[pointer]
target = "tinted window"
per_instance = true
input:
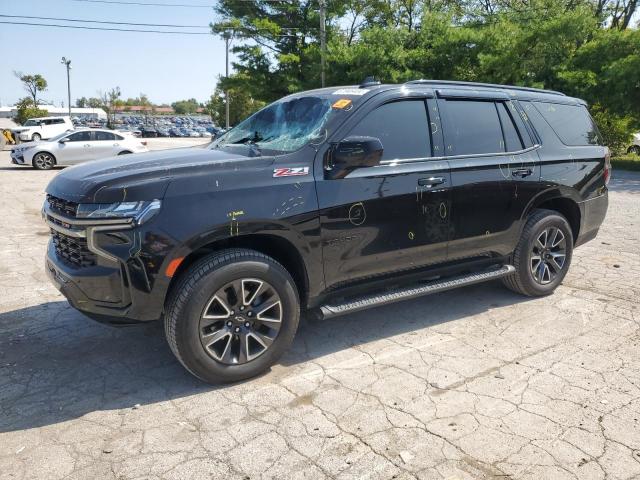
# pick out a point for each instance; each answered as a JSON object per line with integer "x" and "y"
{"x": 511, "y": 137}
{"x": 57, "y": 120}
{"x": 402, "y": 128}
{"x": 80, "y": 137}
{"x": 102, "y": 136}
{"x": 572, "y": 123}
{"x": 472, "y": 127}
{"x": 118, "y": 137}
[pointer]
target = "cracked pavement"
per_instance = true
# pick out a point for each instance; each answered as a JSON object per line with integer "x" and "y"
{"x": 472, "y": 383}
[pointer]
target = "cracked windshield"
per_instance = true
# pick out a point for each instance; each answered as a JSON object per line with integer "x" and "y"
{"x": 281, "y": 127}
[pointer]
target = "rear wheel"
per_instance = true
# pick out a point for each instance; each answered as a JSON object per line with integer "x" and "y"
{"x": 634, "y": 149}
{"x": 36, "y": 137}
{"x": 232, "y": 315}
{"x": 125, "y": 152}
{"x": 43, "y": 161}
{"x": 543, "y": 254}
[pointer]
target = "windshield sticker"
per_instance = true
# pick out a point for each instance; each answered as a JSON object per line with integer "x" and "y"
{"x": 290, "y": 172}
{"x": 342, "y": 103}
{"x": 351, "y": 91}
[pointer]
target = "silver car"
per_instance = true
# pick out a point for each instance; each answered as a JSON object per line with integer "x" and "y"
{"x": 76, "y": 146}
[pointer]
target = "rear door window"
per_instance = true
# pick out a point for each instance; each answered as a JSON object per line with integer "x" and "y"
{"x": 402, "y": 127}
{"x": 472, "y": 127}
{"x": 572, "y": 123}
{"x": 103, "y": 136}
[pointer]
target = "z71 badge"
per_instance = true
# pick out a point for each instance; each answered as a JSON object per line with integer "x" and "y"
{"x": 290, "y": 172}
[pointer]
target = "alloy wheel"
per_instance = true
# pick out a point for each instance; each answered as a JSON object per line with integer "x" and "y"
{"x": 548, "y": 255}
{"x": 241, "y": 321}
{"x": 43, "y": 161}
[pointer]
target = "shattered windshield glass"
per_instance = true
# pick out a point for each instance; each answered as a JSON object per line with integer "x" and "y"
{"x": 284, "y": 126}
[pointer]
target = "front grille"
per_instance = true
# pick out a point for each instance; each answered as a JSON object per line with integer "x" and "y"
{"x": 64, "y": 207}
{"x": 72, "y": 251}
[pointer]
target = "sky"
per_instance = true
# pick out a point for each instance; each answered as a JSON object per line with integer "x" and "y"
{"x": 164, "y": 67}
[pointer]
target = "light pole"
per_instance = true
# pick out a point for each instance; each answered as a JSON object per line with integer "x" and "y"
{"x": 67, "y": 63}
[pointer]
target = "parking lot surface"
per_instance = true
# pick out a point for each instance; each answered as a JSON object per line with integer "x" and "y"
{"x": 468, "y": 384}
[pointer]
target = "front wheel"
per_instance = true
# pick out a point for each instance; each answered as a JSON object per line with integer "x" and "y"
{"x": 43, "y": 161}
{"x": 232, "y": 315}
{"x": 543, "y": 254}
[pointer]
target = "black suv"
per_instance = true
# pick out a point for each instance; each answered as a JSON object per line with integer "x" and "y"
{"x": 328, "y": 202}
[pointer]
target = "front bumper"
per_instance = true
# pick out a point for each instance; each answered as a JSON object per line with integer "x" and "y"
{"x": 120, "y": 283}
{"x": 17, "y": 158}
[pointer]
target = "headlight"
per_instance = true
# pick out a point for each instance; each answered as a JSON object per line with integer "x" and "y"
{"x": 139, "y": 211}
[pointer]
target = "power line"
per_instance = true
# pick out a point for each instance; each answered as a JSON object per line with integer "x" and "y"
{"x": 103, "y": 28}
{"x": 184, "y": 5}
{"x": 105, "y": 22}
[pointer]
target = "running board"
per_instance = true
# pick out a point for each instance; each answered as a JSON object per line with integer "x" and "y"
{"x": 368, "y": 301}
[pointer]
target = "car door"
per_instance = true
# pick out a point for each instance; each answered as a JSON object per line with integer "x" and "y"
{"x": 76, "y": 148}
{"x": 495, "y": 172}
{"x": 394, "y": 216}
{"x": 103, "y": 144}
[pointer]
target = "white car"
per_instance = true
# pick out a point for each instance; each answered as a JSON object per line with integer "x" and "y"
{"x": 42, "y": 128}
{"x": 635, "y": 144}
{"x": 71, "y": 148}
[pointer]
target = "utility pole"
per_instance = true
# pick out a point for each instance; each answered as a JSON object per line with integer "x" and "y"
{"x": 227, "y": 40}
{"x": 323, "y": 39}
{"x": 67, "y": 63}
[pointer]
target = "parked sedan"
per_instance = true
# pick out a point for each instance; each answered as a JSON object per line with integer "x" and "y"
{"x": 74, "y": 147}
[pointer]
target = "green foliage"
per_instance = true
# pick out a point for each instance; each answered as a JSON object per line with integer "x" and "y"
{"x": 616, "y": 130}
{"x": 582, "y": 48}
{"x": 626, "y": 162}
{"x": 26, "y": 110}
{"x": 241, "y": 105}
{"x": 32, "y": 84}
{"x": 185, "y": 107}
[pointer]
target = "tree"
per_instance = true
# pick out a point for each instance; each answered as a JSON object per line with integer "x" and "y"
{"x": 82, "y": 102}
{"x": 32, "y": 84}
{"x": 241, "y": 105}
{"x": 185, "y": 107}
{"x": 27, "y": 110}
{"x": 110, "y": 101}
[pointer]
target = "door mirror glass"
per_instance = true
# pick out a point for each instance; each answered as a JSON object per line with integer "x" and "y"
{"x": 352, "y": 153}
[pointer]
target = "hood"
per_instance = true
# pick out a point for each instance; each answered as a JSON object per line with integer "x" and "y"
{"x": 142, "y": 176}
{"x": 26, "y": 145}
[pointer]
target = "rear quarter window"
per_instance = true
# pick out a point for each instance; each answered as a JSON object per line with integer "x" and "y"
{"x": 572, "y": 123}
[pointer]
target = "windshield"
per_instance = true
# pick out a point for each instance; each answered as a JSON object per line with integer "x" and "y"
{"x": 31, "y": 123}
{"x": 283, "y": 126}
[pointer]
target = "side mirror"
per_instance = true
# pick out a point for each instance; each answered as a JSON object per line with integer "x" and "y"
{"x": 352, "y": 153}
{"x": 63, "y": 140}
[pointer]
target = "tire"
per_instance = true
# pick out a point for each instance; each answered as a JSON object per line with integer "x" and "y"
{"x": 36, "y": 137}
{"x": 125, "y": 152}
{"x": 635, "y": 149}
{"x": 532, "y": 278}
{"x": 203, "y": 293}
{"x": 43, "y": 161}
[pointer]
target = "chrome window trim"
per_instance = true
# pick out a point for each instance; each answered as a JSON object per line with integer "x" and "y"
{"x": 458, "y": 157}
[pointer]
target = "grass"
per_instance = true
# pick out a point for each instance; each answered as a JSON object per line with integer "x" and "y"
{"x": 626, "y": 162}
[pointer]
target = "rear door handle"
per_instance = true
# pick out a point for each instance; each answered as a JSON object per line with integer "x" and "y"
{"x": 522, "y": 172}
{"x": 431, "y": 181}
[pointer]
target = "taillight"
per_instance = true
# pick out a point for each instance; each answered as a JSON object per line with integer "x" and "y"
{"x": 607, "y": 166}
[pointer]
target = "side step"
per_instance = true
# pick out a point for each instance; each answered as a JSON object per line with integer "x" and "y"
{"x": 368, "y": 301}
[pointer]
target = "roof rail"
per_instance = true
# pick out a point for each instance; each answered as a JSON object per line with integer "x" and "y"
{"x": 478, "y": 84}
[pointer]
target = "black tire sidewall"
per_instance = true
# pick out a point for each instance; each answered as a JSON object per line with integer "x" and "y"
{"x": 187, "y": 334}
{"x": 552, "y": 220}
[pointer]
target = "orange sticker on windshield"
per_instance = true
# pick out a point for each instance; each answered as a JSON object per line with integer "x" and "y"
{"x": 342, "y": 103}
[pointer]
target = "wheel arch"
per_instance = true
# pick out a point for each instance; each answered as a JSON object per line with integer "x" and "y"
{"x": 563, "y": 204}
{"x": 277, "y": 247}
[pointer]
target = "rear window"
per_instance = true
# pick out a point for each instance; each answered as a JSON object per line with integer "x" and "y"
{"x": 572, "y": 123}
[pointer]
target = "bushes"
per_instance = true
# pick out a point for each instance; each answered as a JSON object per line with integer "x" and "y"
{"x": 27, "y": 110}
{"x": 617, "y": 130}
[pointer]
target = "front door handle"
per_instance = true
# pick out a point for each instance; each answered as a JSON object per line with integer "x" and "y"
{"x": 431, "y": 181}
{"x": 522, "y": 172}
